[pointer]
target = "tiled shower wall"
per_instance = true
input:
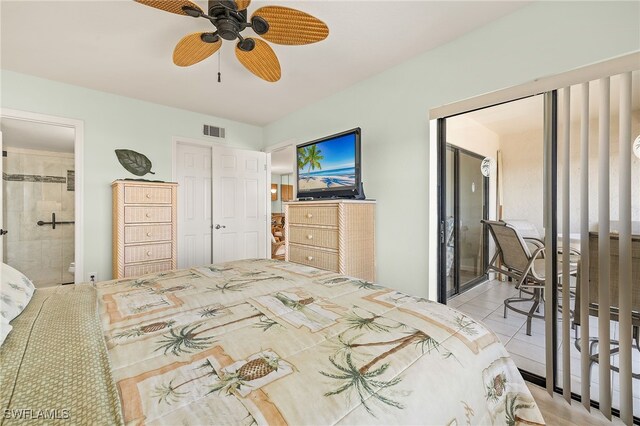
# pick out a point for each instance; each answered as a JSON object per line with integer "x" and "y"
{"x": 36, "y": 184}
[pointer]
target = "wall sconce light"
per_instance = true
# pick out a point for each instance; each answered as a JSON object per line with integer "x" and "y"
{"x": 485, "y": 167}
{"x": 636, "y": 147}
{"x": 274, "y": 190}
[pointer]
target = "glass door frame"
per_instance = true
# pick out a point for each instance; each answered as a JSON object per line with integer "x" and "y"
{"x": 456, "y": 215}
{"x": 551, "y": 120}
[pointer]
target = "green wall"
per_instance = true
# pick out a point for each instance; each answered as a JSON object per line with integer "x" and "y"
{"x": 111, "y": 122}
{"x": 541, "y": 39}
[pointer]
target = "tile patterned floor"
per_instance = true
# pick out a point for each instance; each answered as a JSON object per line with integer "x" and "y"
{"x": 485, "y": 304}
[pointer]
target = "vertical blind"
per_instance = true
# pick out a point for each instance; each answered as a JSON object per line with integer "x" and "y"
{"x": 607, "y": 265}
{"x": 614, "y": 259}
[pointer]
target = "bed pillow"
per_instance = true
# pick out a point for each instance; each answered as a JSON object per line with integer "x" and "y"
{"x": 5, "y": 328}
{"x": 15, "y": 292}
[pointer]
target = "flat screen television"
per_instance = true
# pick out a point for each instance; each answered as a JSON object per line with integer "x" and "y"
{"x": 330, "y": 167}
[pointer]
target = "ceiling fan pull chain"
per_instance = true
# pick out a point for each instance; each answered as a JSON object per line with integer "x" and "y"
{"x": 219, "y": 74}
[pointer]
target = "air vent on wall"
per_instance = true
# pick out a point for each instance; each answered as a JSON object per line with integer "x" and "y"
{"x": 214, "y": 131}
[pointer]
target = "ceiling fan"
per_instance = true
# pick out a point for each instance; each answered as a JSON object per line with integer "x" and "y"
{"x": 277, "y": 24}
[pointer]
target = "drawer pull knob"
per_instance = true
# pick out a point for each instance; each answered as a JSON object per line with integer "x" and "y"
{"x": 148, "y": 234}
{"x": 148, "y": 215}
{"x": 309, "y": 257}
{"x": 309, "y": 215}
{"x": 309, "y": 237}
{"x": 149, "y": 253}
{"x": 148, "y": 195}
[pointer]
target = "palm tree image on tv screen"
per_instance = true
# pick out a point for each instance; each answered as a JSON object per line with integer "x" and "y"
{"x": 327, "y": 165}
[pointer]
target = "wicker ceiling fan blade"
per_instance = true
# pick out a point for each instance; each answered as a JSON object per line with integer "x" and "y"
{"x": 193, "y": 49}
{"x": 242, "y": 4}
{"x": 261, "y": 60}
{"x": 291, "y": 26}
{"x": 173, "y": 6}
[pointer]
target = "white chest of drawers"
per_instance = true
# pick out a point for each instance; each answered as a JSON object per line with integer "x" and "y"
{"x": 144, "y": 227}
{"x": 334, "y": 235}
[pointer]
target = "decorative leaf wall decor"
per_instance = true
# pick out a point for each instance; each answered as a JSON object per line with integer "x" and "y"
{"x": 134, "y": 162}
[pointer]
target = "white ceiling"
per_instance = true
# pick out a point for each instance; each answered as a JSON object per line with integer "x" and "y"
{"x": 527, "y": 114}
{"x": 126, "y": 48}
{"x": 40, "y": 136}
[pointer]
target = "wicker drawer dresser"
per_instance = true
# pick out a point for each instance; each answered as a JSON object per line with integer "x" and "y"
{"x": 337, "y": 235}
{"x": 144, "y": 227}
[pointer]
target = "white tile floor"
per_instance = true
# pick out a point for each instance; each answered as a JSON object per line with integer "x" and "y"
{"x": 485, "y": 303}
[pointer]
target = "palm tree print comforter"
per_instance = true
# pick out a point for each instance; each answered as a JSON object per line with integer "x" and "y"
{"x": 268, "y": 342}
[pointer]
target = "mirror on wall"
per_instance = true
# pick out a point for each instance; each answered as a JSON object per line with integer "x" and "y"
{"x": 286, "y": 187}
{"x": 281, "y": 191}
{"x": 282, "y": 178}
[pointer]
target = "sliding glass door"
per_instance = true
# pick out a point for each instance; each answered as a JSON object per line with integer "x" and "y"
{"x": 465, "y": 207}
{"x": 558, "y": 168}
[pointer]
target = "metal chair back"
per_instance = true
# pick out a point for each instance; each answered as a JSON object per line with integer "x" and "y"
{"x": 512, "y": 249}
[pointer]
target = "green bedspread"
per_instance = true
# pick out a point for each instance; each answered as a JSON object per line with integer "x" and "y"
{"x": 54, "y": 364}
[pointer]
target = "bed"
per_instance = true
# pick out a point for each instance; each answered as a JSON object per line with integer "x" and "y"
{"x": 254, "y": 342}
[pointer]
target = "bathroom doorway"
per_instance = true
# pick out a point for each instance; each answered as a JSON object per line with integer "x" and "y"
{"x": 39, "y": 194}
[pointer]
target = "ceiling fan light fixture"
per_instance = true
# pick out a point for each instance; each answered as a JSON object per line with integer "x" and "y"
{"x": 228, "y": 29}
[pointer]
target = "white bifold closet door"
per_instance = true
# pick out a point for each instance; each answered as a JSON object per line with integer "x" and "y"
{"x": 193, "y": 173}
{"x": 239, "y": 204}
{"x": 221, "y": 204}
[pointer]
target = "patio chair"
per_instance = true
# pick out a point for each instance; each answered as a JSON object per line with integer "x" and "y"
{"x": 614, "y": 285}
{"x": 277, "y": 226}
{"x": 531, "y": 236}
{"x": 277, "y": 249}
{"x": 525, "y": 267}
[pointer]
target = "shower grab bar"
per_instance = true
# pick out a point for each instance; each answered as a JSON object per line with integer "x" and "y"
{"x": 53, "y": 222}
